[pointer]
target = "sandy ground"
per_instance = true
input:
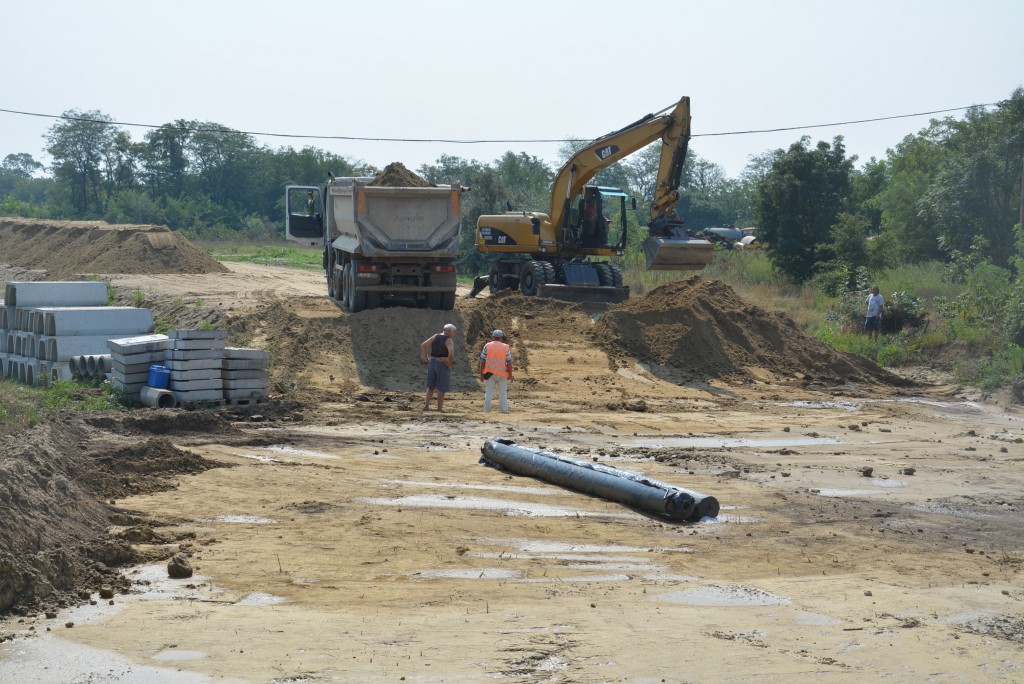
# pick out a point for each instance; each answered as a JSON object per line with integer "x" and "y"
{"x": 358, "y": 539}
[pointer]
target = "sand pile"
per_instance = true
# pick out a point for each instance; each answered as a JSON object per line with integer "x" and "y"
{"x": 66, "y": 248}
{"x": 699, "y": 330}
{"x": 395, "y": 175}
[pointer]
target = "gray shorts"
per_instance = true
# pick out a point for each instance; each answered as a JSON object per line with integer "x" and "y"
{"x": 439, "y": 375}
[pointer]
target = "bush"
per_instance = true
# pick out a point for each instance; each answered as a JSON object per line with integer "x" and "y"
{"x": 994, "y": 371}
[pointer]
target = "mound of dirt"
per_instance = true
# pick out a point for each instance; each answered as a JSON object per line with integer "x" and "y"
{"x": 55, "y": 480}
{"x": 66, "y": 248}
{"x": 395, "y": 175}
{"x": 699, "y": 330}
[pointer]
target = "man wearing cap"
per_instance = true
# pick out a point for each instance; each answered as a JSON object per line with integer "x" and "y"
{"x": 439, "y": 364}
{"x": 496, "y": 367}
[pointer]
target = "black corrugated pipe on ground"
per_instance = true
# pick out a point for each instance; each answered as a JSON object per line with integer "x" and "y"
{"x": 632, "y": 489}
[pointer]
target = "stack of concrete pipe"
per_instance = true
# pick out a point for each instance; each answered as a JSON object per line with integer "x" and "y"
{"x": 44, "y": 324}
{"x": 90, "y": 366}
{"x": 202, "y": 369}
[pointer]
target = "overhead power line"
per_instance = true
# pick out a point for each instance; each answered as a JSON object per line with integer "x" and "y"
{"x": 467, "y": 141}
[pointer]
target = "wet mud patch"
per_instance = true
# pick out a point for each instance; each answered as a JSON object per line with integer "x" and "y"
{"x": 1004, "y": 627}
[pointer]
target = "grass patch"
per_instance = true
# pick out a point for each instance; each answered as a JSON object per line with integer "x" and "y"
{"x": 305, "y": 258}
{"x": 22, "y": 406}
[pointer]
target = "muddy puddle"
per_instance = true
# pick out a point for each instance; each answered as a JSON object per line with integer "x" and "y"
{"x": 42, "y": 656}
{"x": 493, "y": 488}
{"x": 722, "y": 596}
{"x": 724, "y": 443}
{"x": 510, "y": 508}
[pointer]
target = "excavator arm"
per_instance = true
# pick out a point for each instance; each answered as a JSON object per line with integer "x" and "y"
{"x": 673, "y": 127}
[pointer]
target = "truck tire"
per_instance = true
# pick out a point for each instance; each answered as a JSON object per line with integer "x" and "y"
{"x": 332, "y": 278}
{"x": 356, "y": 299}
{"x": 616, "y": 276}
{"x": 531, "y": 277}
{"x": 447, "y": 301}
{"x": 434, "y": 300}
{"x": 346, "y": 286}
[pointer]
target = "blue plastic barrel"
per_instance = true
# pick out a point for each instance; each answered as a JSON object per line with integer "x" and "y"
{"x": 159, "y": 376}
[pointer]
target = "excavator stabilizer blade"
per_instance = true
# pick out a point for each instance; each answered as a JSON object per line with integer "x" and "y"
{"x": 677, "y": 254}
{"x": 584, "y": 293}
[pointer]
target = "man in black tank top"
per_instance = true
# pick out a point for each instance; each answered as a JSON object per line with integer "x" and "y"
{"x": 441, "y": 352}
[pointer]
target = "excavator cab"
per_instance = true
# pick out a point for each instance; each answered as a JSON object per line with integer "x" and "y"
{"x": 599, "y": 220}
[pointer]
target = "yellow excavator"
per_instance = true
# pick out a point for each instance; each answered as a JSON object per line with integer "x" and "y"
{"x": 558, "y": 254}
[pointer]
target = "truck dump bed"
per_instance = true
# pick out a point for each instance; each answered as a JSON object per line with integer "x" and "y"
{"x": 394, "y": 222}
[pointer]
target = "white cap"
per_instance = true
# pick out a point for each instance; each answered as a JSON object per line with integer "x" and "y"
{"x": 497, "y": 334}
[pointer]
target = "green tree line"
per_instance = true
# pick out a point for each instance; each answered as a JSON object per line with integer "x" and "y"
{"x": 951, "y": 190}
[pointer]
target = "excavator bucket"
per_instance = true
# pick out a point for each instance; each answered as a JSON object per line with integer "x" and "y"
{"x": 677, "y": 254}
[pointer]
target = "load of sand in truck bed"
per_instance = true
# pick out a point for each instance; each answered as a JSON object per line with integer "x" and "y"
{"x": 65, "y": 248}
{"x": 395, "y": 175}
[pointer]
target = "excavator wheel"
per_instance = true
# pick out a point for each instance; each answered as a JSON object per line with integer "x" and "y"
{"x": 495, "y": 281}
{"x": 549, "y": 272}
{"x": 604, "y": 274}
{"x": 531, "y": 277}
{"x": 616, "y": 276}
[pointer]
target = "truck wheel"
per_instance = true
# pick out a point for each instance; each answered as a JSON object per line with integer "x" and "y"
{"x": 616, "y": 276}
{"x": 447, "y": 301}
{"x": 434, "y": 300}
{"x": 356, "y": 299}
{"x": 346, "y": 286}
{"x": 332, "y": 278}
{"x": 531, "y": 277}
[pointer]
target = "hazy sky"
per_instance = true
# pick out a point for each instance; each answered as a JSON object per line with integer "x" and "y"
{"x": 522, "y": 69}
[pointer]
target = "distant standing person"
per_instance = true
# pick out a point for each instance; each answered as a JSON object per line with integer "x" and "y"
{"x": 496, "y": 369}
{"x": 441, "y": 352}
{"x": 310, "y": 204}
{"x": 873, "y": 322}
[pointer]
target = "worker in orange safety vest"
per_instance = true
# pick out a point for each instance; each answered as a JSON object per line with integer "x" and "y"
{"x": 496, "y": 369}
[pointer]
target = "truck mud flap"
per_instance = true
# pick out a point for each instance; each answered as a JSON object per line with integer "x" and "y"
{"x": 677, "y": 254}
{"x": 584, "y": 293}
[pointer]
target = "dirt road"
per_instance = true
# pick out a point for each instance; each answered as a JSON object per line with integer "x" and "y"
{"x": 868, "y": 529}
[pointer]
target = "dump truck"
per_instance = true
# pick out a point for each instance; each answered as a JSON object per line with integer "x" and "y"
{"x": 558, "y": 254}
{"x": 382, "y": 243}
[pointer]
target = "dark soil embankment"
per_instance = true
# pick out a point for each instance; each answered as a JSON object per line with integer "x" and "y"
{"x": 57, "y": 484}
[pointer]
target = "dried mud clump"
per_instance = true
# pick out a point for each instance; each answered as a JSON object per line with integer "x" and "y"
{"x": 699, "y": 330}
{"x": 395, "y": 175}
{"x": 66, "y": 248}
